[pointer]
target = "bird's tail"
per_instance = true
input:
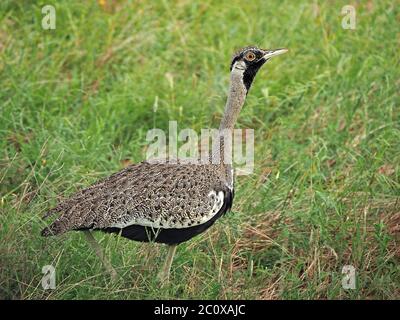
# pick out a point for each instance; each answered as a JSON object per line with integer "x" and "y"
{"x": 56, "y": 228}
{"x": 50, "y": 212}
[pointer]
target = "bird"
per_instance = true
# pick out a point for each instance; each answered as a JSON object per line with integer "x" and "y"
{"x": 163, "y": 202}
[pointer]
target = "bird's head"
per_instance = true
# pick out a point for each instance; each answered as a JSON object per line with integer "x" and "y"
{"x": 247, "y": 61}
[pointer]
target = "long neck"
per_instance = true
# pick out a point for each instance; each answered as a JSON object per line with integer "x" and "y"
{"x": 236, "y": 98}
{"x": 222, "y": 153}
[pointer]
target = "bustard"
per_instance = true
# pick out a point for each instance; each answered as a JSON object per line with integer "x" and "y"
{"x": 163, "y": 202}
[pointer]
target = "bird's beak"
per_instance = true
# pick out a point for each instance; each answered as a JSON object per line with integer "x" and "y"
{"x": 271, "y": 53}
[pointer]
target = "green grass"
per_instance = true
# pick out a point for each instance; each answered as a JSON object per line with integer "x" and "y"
{"x": 77, "y": 101}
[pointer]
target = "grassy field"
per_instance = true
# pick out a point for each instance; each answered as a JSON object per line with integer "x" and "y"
{"x": 76, "y": 103}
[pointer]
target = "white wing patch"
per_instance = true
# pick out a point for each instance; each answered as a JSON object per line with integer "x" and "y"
{"x": 218, "y": 202}
{"x": 139, "y": 221}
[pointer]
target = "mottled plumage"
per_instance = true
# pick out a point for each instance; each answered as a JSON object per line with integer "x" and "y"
{"x": 160, "y": 196}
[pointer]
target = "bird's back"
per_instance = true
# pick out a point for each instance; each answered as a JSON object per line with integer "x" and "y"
{"x": 163, "y": 202}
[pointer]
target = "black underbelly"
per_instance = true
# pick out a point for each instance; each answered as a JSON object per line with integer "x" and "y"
{"x": 168, "y": 236}
{"x": 172, "y": 235}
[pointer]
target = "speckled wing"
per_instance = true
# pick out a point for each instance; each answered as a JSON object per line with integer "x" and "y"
{"x": 166, "y": 196}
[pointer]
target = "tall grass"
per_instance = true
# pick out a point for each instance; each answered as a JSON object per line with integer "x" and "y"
{"x": 76, "y": 103}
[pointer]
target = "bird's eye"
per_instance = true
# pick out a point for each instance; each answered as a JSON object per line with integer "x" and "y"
{"x": 250, "y": 56}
